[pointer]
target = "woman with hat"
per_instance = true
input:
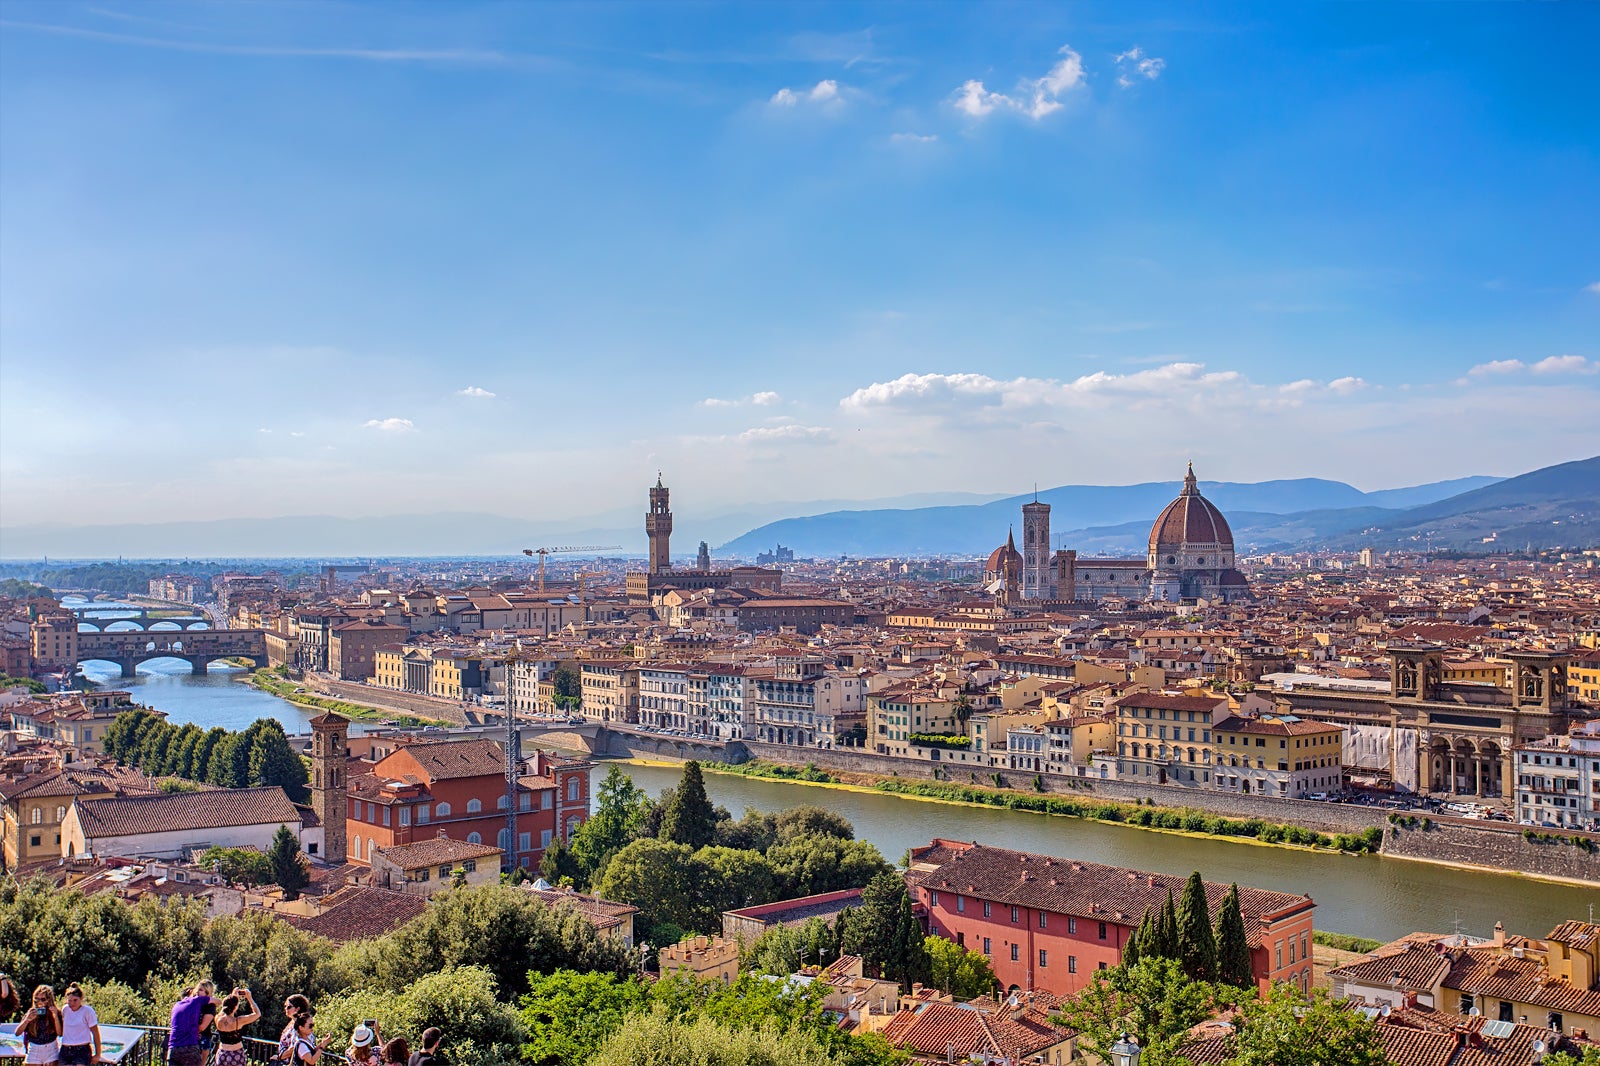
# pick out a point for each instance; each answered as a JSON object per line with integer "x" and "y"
{"x": 364, "y": 1045}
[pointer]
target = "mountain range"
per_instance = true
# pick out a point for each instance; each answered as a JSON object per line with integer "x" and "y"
{"x": 1554, "y": 506}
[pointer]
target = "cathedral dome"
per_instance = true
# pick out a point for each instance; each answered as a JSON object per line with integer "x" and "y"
{"x": 1004, "y": 559}
{"x": 1191, "y": 519}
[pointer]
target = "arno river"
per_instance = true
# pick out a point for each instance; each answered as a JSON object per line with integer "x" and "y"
{"x": 1366, "y": 895}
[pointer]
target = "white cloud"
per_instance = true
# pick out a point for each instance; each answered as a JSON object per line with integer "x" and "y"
{"x": 913, "y": 138}
{"x": 1555, "y": 364}
{"x": 1134, "y": 65}
{"x": 1034, "y": 97}
{"x": 1565, "y": 364}
{"x": 760, "y": 399}
{"x": 824, "y": 93}
{"x": 263, "y": 429}
{"x": 1593, "y": 287}
{"x": 1345, "y": 386}
{"x": 389, "y": 425}
{"x": 475, "y": 392}
{"x": 767, "y": 434}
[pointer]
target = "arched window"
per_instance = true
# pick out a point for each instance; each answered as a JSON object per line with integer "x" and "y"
{"x": 441, "y": 810}
{"x": 501, "y": 803}
{"x": 474, "y": 838}
{"x": 503, "y": 840}
{"x": 474, "y": 805}
{"x": 38, "y": 815}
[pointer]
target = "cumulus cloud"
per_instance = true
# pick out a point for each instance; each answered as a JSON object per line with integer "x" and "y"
{"x": 1034, "y": 97}
{"x": 389, "y": 425}
{"x": 1555, "y": 364}
{"x": 475, "y": 393}
{"x": 759, "y": 399}
{"x": 768, "y": 434}
{"x": 824, "y": 93}
{"x": 1134, "y": 66}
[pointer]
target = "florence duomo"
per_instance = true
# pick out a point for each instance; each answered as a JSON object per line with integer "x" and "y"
{"x": 1189, "y": 557}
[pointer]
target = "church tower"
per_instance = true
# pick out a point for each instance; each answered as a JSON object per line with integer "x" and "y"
{"x": 658, "y": 527}
{"x": 1036, "y": 569}
{"x": 329, "y": 750}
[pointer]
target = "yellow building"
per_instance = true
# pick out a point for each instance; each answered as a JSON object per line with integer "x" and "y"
{"x": 704, "y": 958}
{"x": 1583, "y": 678}
{"x": 894, "y": 714}
{"x": 610, "y": 690}
{"x": 1274, "y": 755}
{"x": 388, "y": 666}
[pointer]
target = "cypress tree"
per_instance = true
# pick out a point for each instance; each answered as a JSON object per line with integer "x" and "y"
{"x": 689, "y": 818}
{"x": 1131, "y": 950}
{"x": 1167, "y": 929}
{"x": 1197, "y": 947}
{"x": 1233, "y": 947}
{"x": 288, "y": 865}
{"x": 913, "y": 962}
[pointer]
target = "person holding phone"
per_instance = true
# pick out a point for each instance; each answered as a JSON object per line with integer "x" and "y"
{"x": 238, "y": 1010}
{"x": 40, "y": 1029}
{"x": 364, "y": 1044}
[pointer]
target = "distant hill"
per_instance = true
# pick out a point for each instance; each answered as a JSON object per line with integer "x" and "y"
{"x": 1092, "y": 508}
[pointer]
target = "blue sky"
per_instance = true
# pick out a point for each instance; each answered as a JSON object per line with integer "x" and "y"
{"x": 413, "y": 257}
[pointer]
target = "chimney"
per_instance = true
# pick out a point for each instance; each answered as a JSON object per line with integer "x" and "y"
{"x": 443, "y": 835}
{"x": 1499, "y": 934}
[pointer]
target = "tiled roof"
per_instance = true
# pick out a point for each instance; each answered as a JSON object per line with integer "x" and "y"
{"x": 1419, "y": 968}
{"x": 1085, "y": 889}
{"x": 1524, "y": 980}
{"x": 982, "y": 1025}
{"x": 184, "y": 811}
{"x": 445, "y": 760}
{"x": 435, "y": 852}
{"x": 357, "y": 912}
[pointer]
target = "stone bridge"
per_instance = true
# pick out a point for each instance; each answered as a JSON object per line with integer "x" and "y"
{"x": 198, "y": 647}
{"x": 95, "y": 619}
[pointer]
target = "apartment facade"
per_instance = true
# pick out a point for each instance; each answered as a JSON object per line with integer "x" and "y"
{"x": 1280, "y": 756}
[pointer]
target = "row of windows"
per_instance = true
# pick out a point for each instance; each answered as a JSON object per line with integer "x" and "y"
{"x": 1016, "y": 915}
{"x": 1304, "y": 944}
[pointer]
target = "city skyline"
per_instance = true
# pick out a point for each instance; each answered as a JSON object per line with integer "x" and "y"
{"x": 514, "y": 260}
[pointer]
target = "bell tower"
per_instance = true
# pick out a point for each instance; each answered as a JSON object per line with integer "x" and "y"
{"x": 329, "y": 750}
{"x": 658, "y": 527}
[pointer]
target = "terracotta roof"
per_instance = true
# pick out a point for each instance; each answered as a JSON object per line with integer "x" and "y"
{"x": 1085, "y": 889}
{"x": 358, "y": 912}
{"x": 185, "y": 811}
{"x": 445, "y": 760}
{"x": 1525, "y": 980}
{"x": 435, "y": 852}
{"x": 1190, "y": 519}
{"x": 1419, "y": 968}
{"x": 980, "y": 1026}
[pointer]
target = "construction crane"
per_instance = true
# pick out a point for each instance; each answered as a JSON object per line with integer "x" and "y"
{"x": 568, "y": 550}
{"x": 580, "y": 575}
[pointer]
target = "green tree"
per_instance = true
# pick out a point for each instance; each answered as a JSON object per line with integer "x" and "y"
{"x": 1152, "y": 1000}
{"x": 289, "y": 868}
{"x": 200, "y": 764}
{"x": 807, "y": 865}
{"x": 689, "y": 818}
{"x": 617, "y": 820}
{"x": 272, "y": 958}
{"x": 273, "y": 761}
{"x": 885, "y": 933}
{"x": 51, "y": 937}
{"x": 911, "y": 963}
{"x": 568, "y": 1015}
{"x": 1233, "y": 947}
{"x": 809, "y": 820}
{"x": 1285, "y": 1027}
{"x": 219, "y": 767}
{"x": 239, "y": 865}
{"x": 1591, "y": 1057}
{"x": 479, "y": 1029}
{"x": 558, "y": 866}
{"x": 180, "y": 755}
{"x": 1197, "y": 945}
{"x": 734, "y": 878}
{"x": 657, "y": 1039}
{"x": 659, "y": 878}
{"x": 1132, "y": 951}
{"x": 568, "y": 682}
{"x": 953, "y": 969}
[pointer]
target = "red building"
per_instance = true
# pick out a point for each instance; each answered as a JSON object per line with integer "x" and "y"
{"x": 1050, "y": 923}
{"x": 460, "y": 787}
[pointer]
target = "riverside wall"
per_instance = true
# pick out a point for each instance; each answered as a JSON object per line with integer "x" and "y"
{"x": 1497, "y": 846}
{"x": 388, "y": 700}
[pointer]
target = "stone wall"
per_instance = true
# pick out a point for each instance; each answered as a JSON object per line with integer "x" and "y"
{"x": 1324, "y": 817}
{"x": 390, "y": 700}
{"x": 1496, "y": 845}
{"x": 652, "y": 746}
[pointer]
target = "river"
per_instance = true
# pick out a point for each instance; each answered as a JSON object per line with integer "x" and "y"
{"x": 1367, "y": 895}
{"x": 219, "y": 697}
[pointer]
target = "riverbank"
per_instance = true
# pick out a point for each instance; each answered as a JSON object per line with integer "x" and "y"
{"x": 1181, "y": 820}
{"x": 275, "y": 683}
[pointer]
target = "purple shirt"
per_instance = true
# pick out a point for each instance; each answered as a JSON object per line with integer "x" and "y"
{"x": 186, "y": 1016}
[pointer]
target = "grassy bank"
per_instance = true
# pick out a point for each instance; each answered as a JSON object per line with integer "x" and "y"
{"x": 1145, "y": 816}
{"x": 274, "y": 682}
{"x": 1345, "y": 942}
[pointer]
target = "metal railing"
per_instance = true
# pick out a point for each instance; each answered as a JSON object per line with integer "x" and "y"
{"x": 151, "y": 1049}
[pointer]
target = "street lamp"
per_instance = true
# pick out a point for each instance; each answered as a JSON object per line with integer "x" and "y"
{"x": 1125, "y": 1052}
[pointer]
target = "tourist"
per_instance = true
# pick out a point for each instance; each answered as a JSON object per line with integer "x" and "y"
{"x": 208, "y": 1015}
{"x": 80, "y": 1031}
{"x": 293, "y": 1007}
{"x": 428, "y": 1055}
{"x": 183, "y": 1038}
{"x": 308, "y": 1047}
{"x": 41, "y": 1029}
{"x": 9, "y": 1000}
{"x": 238, "y": 1010}
{"x": 397, "y": 1052}
{"x": 363, "y": 1044}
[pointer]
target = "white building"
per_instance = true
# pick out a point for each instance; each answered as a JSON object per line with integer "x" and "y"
{"x": 805, "y": 705}
{"x": 1558, "y": 780}
{"x": 171, "y": 824}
